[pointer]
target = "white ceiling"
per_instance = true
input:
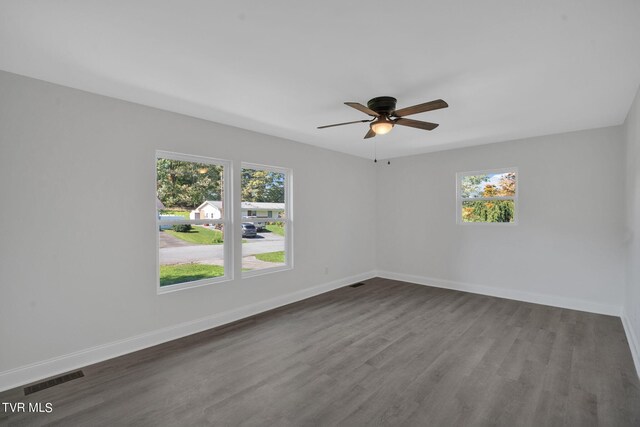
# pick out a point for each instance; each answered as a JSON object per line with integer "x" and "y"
{"x": 508, "y": 68}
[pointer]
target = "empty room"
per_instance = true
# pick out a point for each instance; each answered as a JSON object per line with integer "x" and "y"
{"x": 327, "y": 213}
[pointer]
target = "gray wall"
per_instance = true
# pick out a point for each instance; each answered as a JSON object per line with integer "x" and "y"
{"x": 568, "y": 244}
{"x": 72, "y": 281}
{"x": 77, "y": 221}
{"x": 632, "y": 294}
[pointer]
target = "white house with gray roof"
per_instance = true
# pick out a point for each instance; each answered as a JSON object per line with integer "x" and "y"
{"x": 213, "y": 210}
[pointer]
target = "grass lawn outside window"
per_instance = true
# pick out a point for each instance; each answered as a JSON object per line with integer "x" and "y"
{"x": 276, "y": 229}
{"x": 199, "y": 235}
{"x": 179, "y": 273}
{"x": 271, "y": 256}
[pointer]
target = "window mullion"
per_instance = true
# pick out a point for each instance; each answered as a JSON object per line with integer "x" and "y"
{"x": 487, "y": 209}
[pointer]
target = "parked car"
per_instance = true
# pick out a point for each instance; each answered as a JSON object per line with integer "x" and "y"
{"x": 249, "y": 230}
{"x": 260, "y": 225}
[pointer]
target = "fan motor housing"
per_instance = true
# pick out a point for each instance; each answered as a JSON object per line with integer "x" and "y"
{"x": 383, "y": 104}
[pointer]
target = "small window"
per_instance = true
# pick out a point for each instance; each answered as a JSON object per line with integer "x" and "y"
{"x": 266, "y": 247}
{"x": 489, "y": 197}
{"x": 192, "y": 252}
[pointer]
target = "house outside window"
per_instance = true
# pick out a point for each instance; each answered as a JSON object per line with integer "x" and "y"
{"x": 265, "y": 190}
{"x": 183, "y": 184}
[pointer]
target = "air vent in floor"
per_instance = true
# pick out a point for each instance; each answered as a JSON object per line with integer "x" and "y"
{"x": 52, "y": 382}
{"x": 356, "y": 285}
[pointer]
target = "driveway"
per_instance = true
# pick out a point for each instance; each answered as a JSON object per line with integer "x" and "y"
{"x": 168, "y": 241}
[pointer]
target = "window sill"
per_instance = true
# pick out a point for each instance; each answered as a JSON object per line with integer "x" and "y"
{"x": 161, "y": 290}
{"x": 493, "y": 224}
{"x": 254, "y": 273}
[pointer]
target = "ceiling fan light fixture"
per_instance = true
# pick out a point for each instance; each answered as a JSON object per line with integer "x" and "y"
{"x": 385, "y": 116}
{"x": 382, "y": 125}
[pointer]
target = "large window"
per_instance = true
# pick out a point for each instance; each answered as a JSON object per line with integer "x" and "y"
{"x": 266, "y": 219}
{"x": 489, "y": 197}
{"x": 193, "y": 221}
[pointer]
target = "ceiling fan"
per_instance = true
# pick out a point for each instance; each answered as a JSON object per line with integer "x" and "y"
{"x": 385, "y": 116}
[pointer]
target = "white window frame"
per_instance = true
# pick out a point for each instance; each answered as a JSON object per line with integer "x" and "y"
{"x": 226, "y": 221}
{"x": 460, "y": 199}
{"x": 287, "y": 219}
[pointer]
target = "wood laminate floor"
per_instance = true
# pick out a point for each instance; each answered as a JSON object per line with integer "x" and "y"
{"x": 387, "y": 353}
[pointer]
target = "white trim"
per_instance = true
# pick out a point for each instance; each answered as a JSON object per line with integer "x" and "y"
{"x": 632, "y": 338}
{"x": 160, "y": 154}
{"x": 261, "y": 271}
{"x": 490, "y": 171}
{"x": 288, "y": 215}
{"x": 192, "y": 284}
{"x": 536, "y": 298}
{"x": 256, "y": 166}
{"x": 36, "y": 371}
{"x": 460, "y": 199}
{"x": 287, "y": 220}
{"x": 229, "y": 226}
{"x": 226, "y": 221}
{"x": 487, "y": 199}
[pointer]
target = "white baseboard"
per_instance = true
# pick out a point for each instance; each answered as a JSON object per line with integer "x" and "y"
{"x": 545, "y": 299}
{"x": 633, "y": 339}
{"x": 47, "y": 368}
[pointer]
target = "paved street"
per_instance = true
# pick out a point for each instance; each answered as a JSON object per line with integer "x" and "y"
{"x": 213, "y": 254}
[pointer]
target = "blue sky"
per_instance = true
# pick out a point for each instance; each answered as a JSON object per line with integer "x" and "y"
{"x": 494, "y": 179}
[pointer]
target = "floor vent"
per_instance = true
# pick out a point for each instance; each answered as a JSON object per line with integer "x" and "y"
{"x": 52, "y": 382}
{"x": 356, "y": 285}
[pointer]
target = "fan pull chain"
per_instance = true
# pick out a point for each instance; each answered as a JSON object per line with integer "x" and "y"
{"x": 375, "y": 152}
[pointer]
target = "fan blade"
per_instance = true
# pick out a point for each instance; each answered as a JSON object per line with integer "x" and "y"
{"x": 362, "y": 108}
{"x": 370, "y": 134}
{"x": 421, "y": 108}
{"x": 416, "y": 124}
{"x": 340, "y": 124}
